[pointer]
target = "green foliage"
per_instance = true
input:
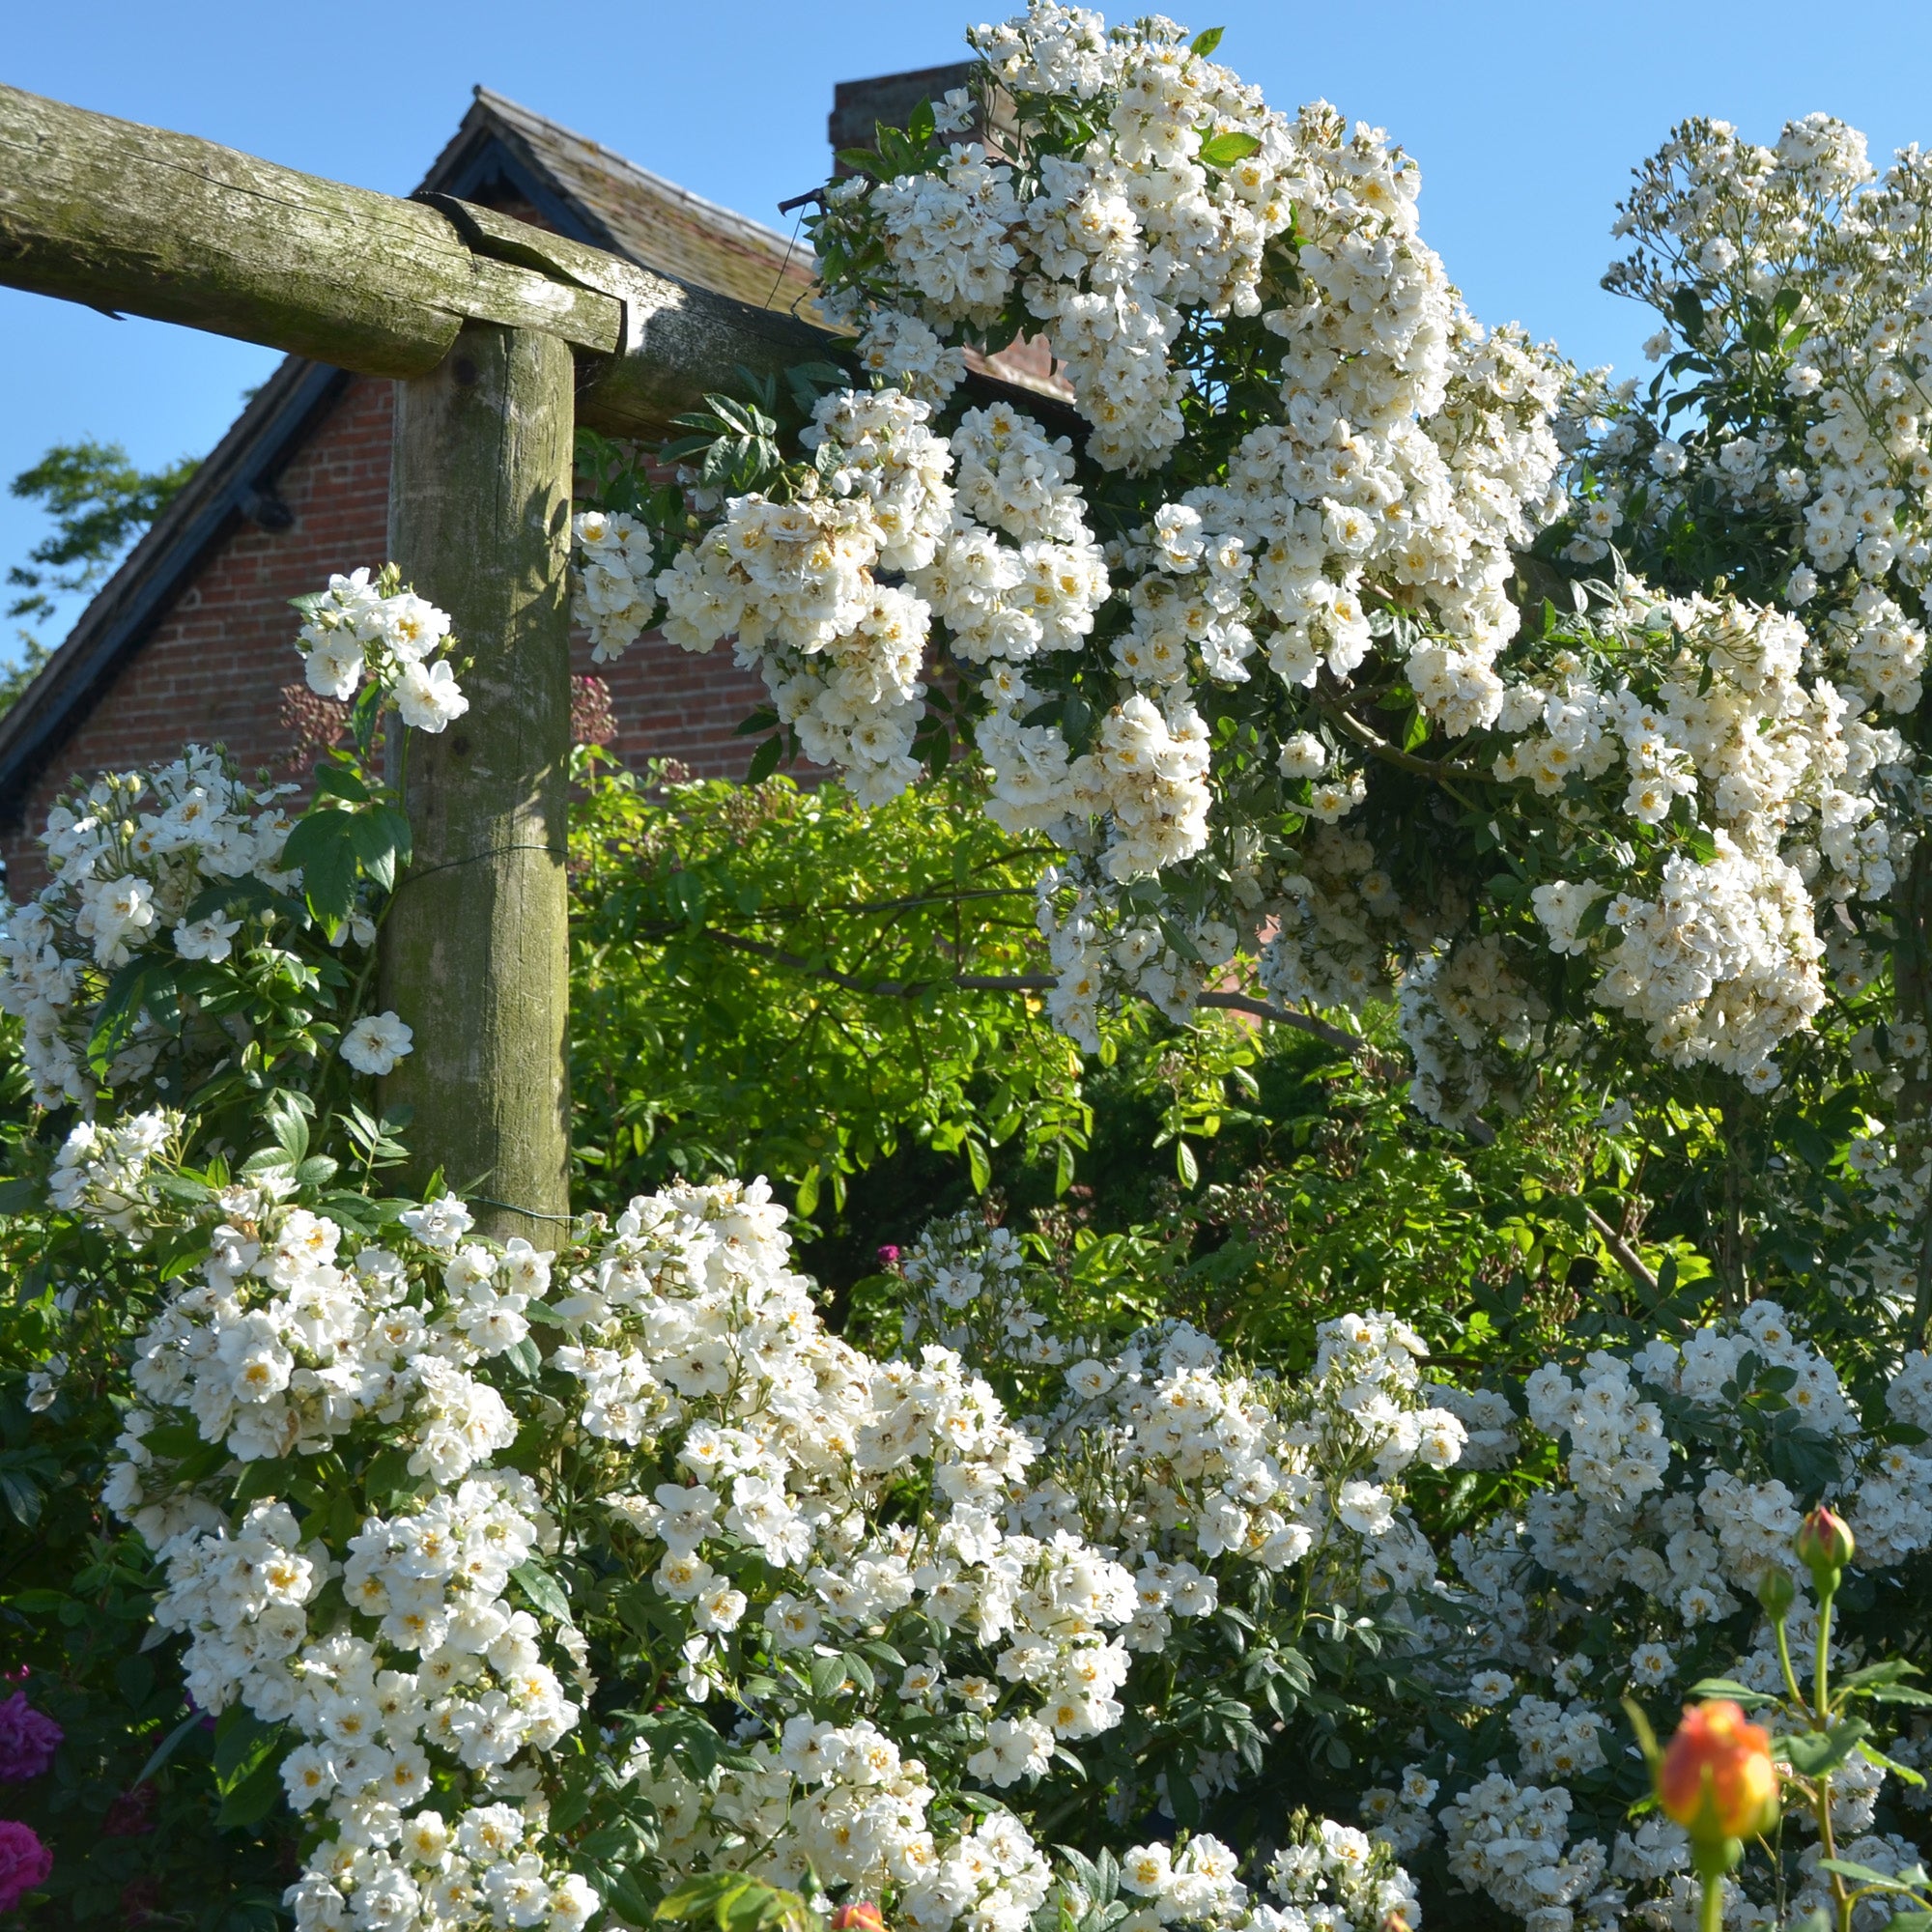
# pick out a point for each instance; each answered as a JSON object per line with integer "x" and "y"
{"x": 770, "y": 981}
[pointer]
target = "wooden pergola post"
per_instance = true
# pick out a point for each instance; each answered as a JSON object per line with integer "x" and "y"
{"x": 501, "y": 336}
{"x": 474, "y": 949}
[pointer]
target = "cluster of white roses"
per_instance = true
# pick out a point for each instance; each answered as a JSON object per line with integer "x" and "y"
{"x": 1724, "y": 964}
{"x": 130, "y": 856}
{"x": 1661, "y": 713}
{"x": 611, "y": 590}
{"x": 1182, "y": 1464}
{"x": 286, "y": 1344}
{"x": 795, "y": 584}
{"x": 1801, "y": 276}
{"x": 843, "y": 1802}
{"x": 1414, "y": 448}
{"x": 391, "y": 1649}
{"x": 379, "y": 630}
{"x": 805, "y": 1495}
{"x": 183, "y": 867}
{"x": 790, "y": 1506}
{"x": 1327, "y": 1878}
{"x": 1713, "y": 765}
{"x": 1626, "y": 1574}
{"x": 697, "y": 1345}
{"x": 1620, "y": 1520}
{"x": 1412, "y": 451}
{"x": 1808, "y": 231}
{"x": 1205, "y": 1462}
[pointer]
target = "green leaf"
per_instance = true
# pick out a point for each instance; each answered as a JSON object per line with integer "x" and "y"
{"x": 828, "y": 1677}
{"x": 389, "y": 1476}
{"x": 764, "y": 760}
{"x": 336, "y": 780}
{"x": 1206, "y": 42}
{"x": 375, "y": 844}
{"x": 249, "y": 1800}
{"x": 24, "y": 1500}
{"x": 165, "y": 1750}
{"x": 248, "y": 1756}
{"x": 1223, "y": 151}
{"x": 804, "y": 1202}
{"x": 544, "y": 1591}
{"x": 240, "y": 1739}
{"x": 1730, "y": 1687}
{"x": 1873, "y": 1675}
{"x": 260, "y": 1480}
{"x": 1811, "y": 1753}
{"x": 322, "y": 844}
{"x": 1871, "y": 1754}
{"x": 979, "y": 1164}
{"x": 1864, "y": 1875}
{"x": 1188, "y": 1168}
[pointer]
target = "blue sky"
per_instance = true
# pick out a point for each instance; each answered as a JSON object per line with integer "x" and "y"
{"x": 1525, "y": 117}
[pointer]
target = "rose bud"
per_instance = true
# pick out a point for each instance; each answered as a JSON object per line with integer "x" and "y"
{"x": 1716, "y": 1776}
{"x": 1825, "y": 1546}
{"x": 1776, "y": 1591}
{"x": 865, "y": 1917}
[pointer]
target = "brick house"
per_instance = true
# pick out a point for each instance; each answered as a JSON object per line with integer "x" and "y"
{"x": 192, "y": 637}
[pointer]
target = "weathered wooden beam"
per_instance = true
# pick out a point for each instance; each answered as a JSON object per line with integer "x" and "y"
{"x": 677, "y": 343}
{"x": 131, "y": 218}
{"x": 127, "y": 217}
{"x": 474, "y": 948}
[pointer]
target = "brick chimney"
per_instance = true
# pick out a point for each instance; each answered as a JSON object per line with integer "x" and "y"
{"x": 859, "y": 107}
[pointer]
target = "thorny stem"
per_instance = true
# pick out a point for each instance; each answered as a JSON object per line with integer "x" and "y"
{"x": 1821, "y": 1789}
{"x": 1911, "y": 976}
{"x": 1620, "y": 1250}
{"x": 1711, "y": 1912}
{"x": 1819, "y": 1703}
{"x": 1407, "y": 762}
{"x": 1784, "y": 1664}
{"x": 1042, "y": 982}
{"x": 1731, "y": 1248}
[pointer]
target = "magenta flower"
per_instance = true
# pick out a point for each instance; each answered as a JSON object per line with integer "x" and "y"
{"x": 889, "y": 1256}
{"x": 24, "y": 1863}
{"x": 28, "y": 1740}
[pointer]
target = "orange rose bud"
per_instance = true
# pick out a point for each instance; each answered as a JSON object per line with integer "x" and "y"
{"x": 865, "y": 1917}
{"x": 1825, "y": 1546}
{"x": 1716, "y": 1778}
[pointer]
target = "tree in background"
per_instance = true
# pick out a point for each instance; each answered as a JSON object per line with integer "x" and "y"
{"x": 99, "y": 502}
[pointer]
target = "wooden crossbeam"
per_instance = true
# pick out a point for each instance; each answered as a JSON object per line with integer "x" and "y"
{"x": 142, "y": 222}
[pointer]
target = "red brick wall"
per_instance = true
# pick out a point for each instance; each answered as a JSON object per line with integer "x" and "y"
{"x": 212, "y": 670}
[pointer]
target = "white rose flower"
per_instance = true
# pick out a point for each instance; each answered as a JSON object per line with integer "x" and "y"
{"x": 376, "y": 1042}
{"x": 429, "y": 697}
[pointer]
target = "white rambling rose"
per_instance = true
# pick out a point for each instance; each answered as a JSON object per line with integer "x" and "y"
{"x": 375, "y": 1042}
{"x": 429, "y": 698}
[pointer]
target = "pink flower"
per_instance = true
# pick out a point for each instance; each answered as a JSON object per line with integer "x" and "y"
{"x": 28, "y": 1740}
{"x": 24, "y": 1861}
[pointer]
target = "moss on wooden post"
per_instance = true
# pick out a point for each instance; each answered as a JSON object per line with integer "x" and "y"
{"x": 475, "y": 949}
